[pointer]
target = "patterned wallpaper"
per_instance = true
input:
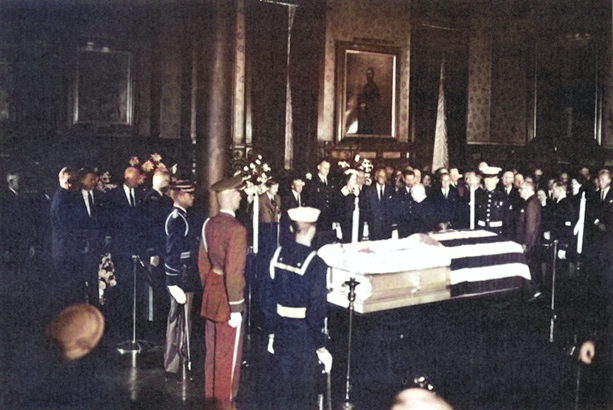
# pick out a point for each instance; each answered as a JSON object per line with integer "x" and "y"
{"x": 479, "y": 87}
{"x": 348, "y": 20}
{"x": 509, "y": 87}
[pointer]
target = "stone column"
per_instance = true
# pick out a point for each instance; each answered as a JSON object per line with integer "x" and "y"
{"x": 216, "y": 65}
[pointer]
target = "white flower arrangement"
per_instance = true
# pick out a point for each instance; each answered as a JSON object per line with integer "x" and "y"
{"x": 106, "y": 275}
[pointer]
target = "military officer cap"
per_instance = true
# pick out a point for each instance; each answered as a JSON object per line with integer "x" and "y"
{"x": 489, "y": 171}
{"x": 303, "y": 214}
{"x": 183, "y": 185}
{"x": 236, "y": 182}
{"x": 77, "y": 330}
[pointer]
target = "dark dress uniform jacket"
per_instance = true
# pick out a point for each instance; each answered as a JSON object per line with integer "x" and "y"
{"x": 492, "y": 211}
{"x": 156, "y": 208}
{"x": 319, "y": 195}
{"x": 181, "y": 245}
{"x": 401, "y": 214}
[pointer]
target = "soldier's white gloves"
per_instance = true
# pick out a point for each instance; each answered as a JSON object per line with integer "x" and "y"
{"x": 325, "y": 358}
{"x": 587, "y": 352}
{"x": 154, "y": 261}
{"x": 178, "y": 294}
{"x": 235, "y": 319}
{"x": 271, "y": 341}
{"x": 561, "y": 254}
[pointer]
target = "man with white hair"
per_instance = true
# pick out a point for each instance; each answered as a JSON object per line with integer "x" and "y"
{"x": 423, "y": 211}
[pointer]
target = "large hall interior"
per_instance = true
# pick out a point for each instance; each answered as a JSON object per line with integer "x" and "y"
{"x": 431, "y": 96}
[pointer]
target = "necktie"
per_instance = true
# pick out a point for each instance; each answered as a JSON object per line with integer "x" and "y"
{"x": 299, "y": 200}
{"x": 379, "y": 192}
{"x": 602, "y": 195}
{"x": 445, "y": 192}
{"x": 90, "y": 200}
{"x": 132, "y": 201}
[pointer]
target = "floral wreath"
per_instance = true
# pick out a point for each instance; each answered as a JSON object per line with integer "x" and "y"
{"x": 255, "y": 174}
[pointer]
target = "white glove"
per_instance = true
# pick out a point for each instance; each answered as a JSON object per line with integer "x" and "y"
{"x": 561, "y": 254}
{"x": 154, "y": 261}
{"x": 325, "y": 358}
{"x": 395, "y": 234}
{"x": 271, "y": 341}
{"x": 547, "y": 235}
{"x": 587, "y": 352}
{"x": 235, "y": 319}
{"x": 177, "y": 293}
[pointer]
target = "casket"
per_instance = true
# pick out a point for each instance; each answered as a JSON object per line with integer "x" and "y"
{"x": 423, "y": 268}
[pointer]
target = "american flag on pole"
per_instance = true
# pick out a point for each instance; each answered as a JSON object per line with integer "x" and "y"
{"x": 440, "y": 157}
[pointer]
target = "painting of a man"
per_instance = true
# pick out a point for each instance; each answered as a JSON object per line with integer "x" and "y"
{"x": 369, "y": 94}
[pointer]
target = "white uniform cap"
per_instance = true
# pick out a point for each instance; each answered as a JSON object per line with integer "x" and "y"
{"x": 304, "y": 214}
{"x": 490, "y": 171}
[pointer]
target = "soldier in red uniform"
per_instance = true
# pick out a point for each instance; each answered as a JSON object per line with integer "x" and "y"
{"x": 221, "y": 262}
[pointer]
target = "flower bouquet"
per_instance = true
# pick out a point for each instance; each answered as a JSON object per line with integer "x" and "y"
{"x": 106, "y": 276}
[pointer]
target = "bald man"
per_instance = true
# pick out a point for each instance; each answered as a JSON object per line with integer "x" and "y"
{"x": 419, "y": 399}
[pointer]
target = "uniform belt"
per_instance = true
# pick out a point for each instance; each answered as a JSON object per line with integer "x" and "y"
{"x": 492, "y": 224}
{"x": 291, "y": 312}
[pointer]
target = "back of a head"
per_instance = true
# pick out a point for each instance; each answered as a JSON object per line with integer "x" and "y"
{"x": 419, "y": 399}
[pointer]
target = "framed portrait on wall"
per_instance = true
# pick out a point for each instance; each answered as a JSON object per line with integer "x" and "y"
{"x": 366, "y": 90}
{"x": 103, "y": 87}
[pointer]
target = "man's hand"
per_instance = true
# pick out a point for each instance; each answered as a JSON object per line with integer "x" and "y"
{"x": 235, "y": 319}
{"x": 325, "y": 358}
{"x": 587, "y": 352}
{"x": 178, "y": 294}
{"x": 271, "y": 341}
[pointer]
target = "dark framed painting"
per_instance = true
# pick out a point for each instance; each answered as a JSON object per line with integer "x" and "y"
{"x": 367, "y": 77}
{"x": 103, "y": 87}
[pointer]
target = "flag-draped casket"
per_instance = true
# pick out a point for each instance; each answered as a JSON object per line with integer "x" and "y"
{"x": 423, "y": 268}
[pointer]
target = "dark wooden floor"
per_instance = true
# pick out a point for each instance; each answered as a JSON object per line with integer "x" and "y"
{"x": 483, "y": 353}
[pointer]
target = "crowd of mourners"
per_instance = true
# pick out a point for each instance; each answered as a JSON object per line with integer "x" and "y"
{"x": 65, "y": 239}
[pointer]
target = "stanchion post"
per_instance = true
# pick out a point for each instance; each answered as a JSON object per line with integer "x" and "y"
{"x": 352, "y": 283}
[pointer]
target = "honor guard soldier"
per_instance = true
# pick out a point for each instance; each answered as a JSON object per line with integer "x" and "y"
{"x": 221, "y": 262}
{"x": 492, "y": 205}
{"x": 181, "y": 278}
{"x": 295, "y": 311}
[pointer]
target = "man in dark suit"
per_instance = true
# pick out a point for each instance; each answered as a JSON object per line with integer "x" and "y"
{"x": 528, "y": 230}
{"x": 515, "y": 201}
{"x": 377, "y": 203}
{"x": 423, "y": 216}
{"x": 125, "y": 220}
{"x": 293, "y": 200}
{"x": 87, "y": 231}
{"x": 446, "y": 200}
{"x": 402, "y": 206}
{"x": 319, "y": 195}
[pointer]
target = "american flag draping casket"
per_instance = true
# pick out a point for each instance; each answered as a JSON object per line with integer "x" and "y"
{"x": 423, "y": 268}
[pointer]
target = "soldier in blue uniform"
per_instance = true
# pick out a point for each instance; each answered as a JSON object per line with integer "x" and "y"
{"x": 492, "y": 205}
{"x": 294, "y": 312}
{"x": 182, "y": 277}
